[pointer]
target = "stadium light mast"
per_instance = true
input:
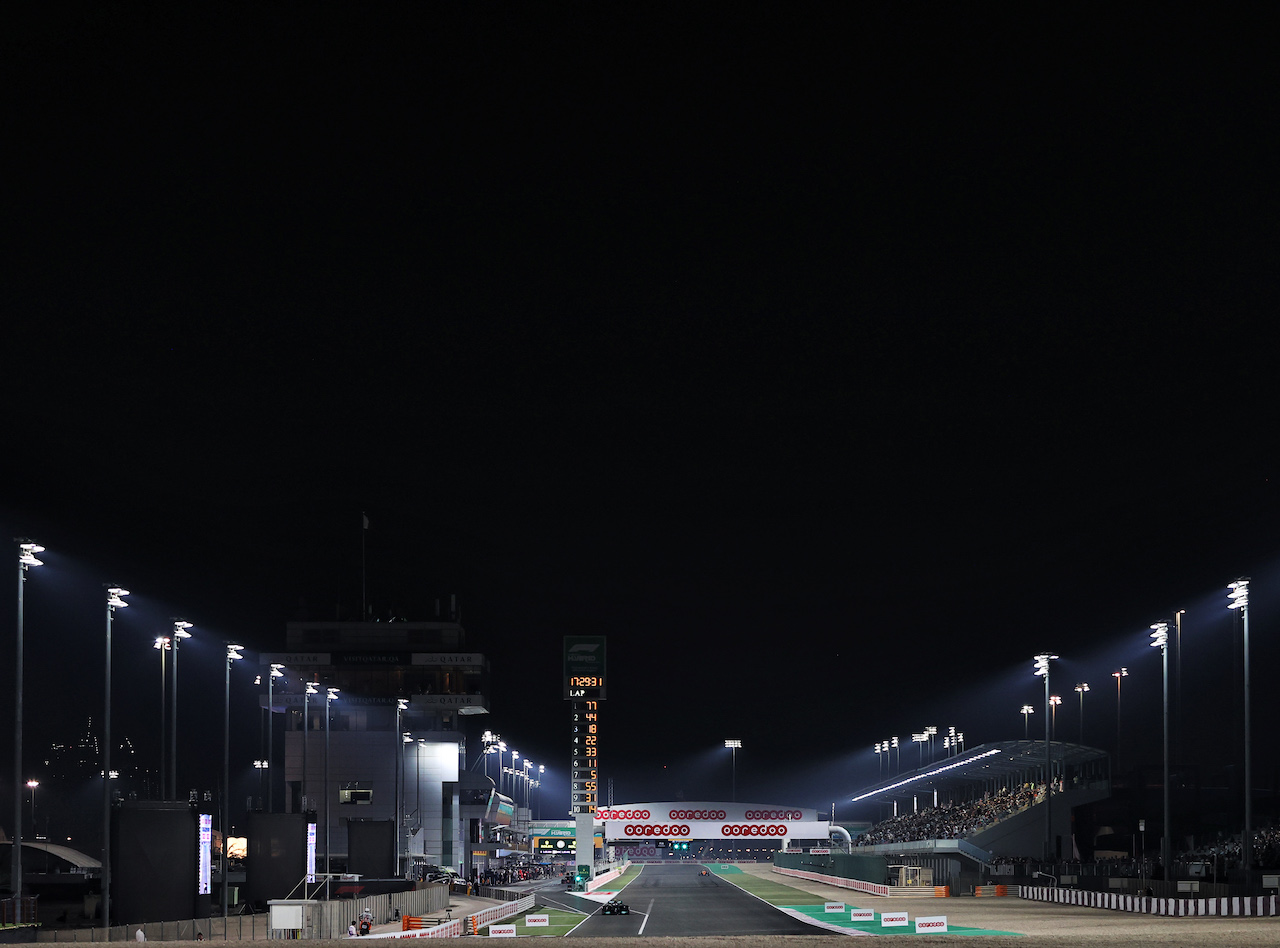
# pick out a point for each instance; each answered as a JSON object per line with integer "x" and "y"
{"x": 1054, "y": 701}
{"x": 1081, "y": 688}
{"x": 180, "y": 632}
{"x": 1027, "y": 711}
{"x": 26, "y": 558}
{"x": 233, "y": 655}
{"x": 1160, "y": 640}
{"x": 330, "y": 695}
{"x": 277, "y": 671}
{"x": 1239, "y": 597}
{"x": 733, "y": 746}
{"x": 1120, "y": 673}
{"x": 115, "y": 600}
{"x": 1042, "y": 669}
{"x": 1177, "y": 729}
{"x": 921, "y": 738}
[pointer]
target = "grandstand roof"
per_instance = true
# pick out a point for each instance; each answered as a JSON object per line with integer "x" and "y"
{"x": 1001, "y": 761}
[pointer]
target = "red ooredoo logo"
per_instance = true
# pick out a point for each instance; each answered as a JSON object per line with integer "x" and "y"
{"x": 750, "y": 829}
{"x": 697, "y": 815}
{"x": 655, "y": 829}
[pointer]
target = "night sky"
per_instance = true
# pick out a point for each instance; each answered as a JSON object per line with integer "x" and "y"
{"x": 831, "y": 364}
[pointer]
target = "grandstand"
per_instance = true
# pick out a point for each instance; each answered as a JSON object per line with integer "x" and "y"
{"x": 963, "y": 815}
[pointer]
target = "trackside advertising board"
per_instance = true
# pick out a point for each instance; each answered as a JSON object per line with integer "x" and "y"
{"x": 929, "y": 924}
{"x": 737, "y": 821}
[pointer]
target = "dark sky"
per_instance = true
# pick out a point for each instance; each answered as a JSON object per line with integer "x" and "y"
{"x": 831, "y": 364}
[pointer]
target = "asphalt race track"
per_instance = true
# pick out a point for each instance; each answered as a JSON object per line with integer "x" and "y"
{"x": 675, "y": 900}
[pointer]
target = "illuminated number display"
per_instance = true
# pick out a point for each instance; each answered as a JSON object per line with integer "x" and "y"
{"x": 585, "y": 738}
{"x": 584, "y": 688}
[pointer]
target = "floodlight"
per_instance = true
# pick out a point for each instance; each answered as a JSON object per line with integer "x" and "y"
{"x": 1160, "y": 637}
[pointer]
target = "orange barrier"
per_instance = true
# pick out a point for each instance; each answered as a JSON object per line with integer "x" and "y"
{"x": 941, "y": 891}
{"x": 409, "y": 922}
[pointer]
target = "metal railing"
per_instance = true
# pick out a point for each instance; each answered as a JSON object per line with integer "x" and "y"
{"x": 19, "y": 910}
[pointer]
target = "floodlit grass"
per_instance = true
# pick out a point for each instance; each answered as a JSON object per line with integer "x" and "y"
{"x": 628, "y": 875}
{"x": 775, "y": 893}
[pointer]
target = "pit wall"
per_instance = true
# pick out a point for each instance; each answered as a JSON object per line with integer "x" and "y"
{"x": 1147, "y": 905}
{"x": 606, "y": 877}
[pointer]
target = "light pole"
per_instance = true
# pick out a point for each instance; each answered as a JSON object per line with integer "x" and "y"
{"x": 490, "y": 742}
{"x": 1042, "y": 669}
{"x": 402, "y": 705}
{"x": 1081, "y": 688}
{"x": 1177, "y": 690}
{"x": 31, "y": 785}
{"x": 895, "y": 746}
{"x": 276, "y": 672}
{"x": 1160, "y": 640}
{"x": 921, "y": 738}
{"x": 26, "y": 558}
{"x": 1239, "y": 597}
{"x": 1054, "y": 701}
{"x": 180, "y": 632}
{"x": 330, "y": 694}
{"x": 307, "y": 692}
{"x": 879, "y": 749}
{"x": 1117, "y": 675}
{"x": 537, "y": 784}
{"x": 1027, "y": 711}
{"x": 115, "y": 600}
{"x": 261, "y": 767}
{"x": 233, "y": 654}
{"x": 515, "y": 755}
{"x": 932, "y": 732}
{"x": 733, "y": 746}
{"x": 164, "y": 644}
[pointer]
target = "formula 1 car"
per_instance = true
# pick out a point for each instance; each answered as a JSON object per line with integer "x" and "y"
{"x": 614, "y": 907}
{"x": 703, "y": 873}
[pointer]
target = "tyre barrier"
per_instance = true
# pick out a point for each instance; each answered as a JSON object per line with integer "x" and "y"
{"x": 470, "y": 924}
{"x": 994, "y": 890}
{"x": 1259, "y": 905}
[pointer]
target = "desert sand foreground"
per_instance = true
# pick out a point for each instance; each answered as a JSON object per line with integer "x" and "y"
{"x": 1028, "y": 924}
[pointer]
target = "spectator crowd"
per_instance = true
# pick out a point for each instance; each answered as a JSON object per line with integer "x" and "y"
{"x": 953, "y": 820}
